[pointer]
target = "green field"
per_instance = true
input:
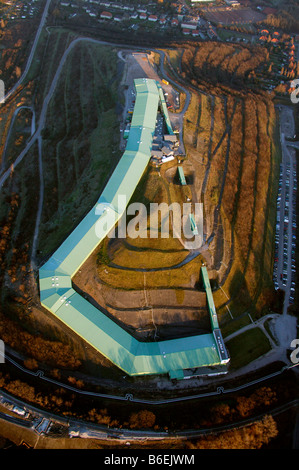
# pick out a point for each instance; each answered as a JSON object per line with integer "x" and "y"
{"x": 247, "y": 347}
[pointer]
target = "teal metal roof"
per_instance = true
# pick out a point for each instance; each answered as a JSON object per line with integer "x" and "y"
{"x": 129, "y": 354}
{"x": 55, "y": 276}
{"x": 164, "y": 109}
{"x": 193, "y": 224}
{"x": 223, "y": 354}
{"x": 182, "y": 176}
{"x": 211, "y": 305}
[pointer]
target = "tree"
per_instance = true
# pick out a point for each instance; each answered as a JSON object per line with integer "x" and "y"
{"x": 31, "y": 363}
{"x": 142, "y": 419}
{"x": 254, "y": 436}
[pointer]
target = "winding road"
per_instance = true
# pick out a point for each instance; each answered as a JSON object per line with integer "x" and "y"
{"x": 36, "y": 137}
{"x": 32, "y": 52}
{"x": 42, "y": 119}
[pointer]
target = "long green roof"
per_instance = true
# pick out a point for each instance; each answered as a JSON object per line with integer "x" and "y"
{"x": 55, "y": 276}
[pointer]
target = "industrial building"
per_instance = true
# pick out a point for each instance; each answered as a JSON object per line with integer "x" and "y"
{"x": 176, "y": 357}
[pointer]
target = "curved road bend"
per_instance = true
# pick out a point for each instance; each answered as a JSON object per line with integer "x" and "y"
{"x": 50, "y": 93}
{"x": 45, "y": 107}
{"x": 32, "y": 52}
{"x": 37, "y": 134}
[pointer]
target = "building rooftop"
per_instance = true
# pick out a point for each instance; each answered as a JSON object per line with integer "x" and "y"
{"x": 55, "y": 276}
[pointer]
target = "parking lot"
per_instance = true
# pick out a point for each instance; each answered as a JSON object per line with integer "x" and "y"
{"x": 285, "y": 236}
{"x": 286, "y": 231}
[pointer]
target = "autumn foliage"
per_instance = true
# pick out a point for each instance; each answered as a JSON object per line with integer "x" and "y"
{"x": 254, "y": 436}
{"x": 42, "y": 350}
{"x": 142, "y": 419}
{"x": 220, "y": 63}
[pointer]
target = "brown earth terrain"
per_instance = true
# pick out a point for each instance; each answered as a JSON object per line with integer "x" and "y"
{"x": 151, "y": 287}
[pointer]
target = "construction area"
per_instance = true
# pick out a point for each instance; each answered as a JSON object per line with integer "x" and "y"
{"x": 202, "y": 354}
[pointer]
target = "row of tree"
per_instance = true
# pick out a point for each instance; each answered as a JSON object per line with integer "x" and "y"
{"x": 6, "y": 229}
{"x": 253, "y": 436}
{"x": 242, "y": 165}
{"x": 284, "y": 20}
{"x": 220, "y": 63}
{"x": 52, "y": 353}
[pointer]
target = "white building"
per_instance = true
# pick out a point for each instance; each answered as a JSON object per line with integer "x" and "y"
{"x": 106, "y": 15}
{"x": 192, "y": 25}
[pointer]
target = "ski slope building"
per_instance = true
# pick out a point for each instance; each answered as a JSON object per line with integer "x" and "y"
{"x": 175, "y": 357}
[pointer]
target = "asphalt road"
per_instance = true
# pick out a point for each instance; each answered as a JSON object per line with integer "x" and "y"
{"x": 286, "y": 129}
{"x": 178, "y": 116}
{"x": 44, "y": 109}
{"x": 32, "y": 52}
